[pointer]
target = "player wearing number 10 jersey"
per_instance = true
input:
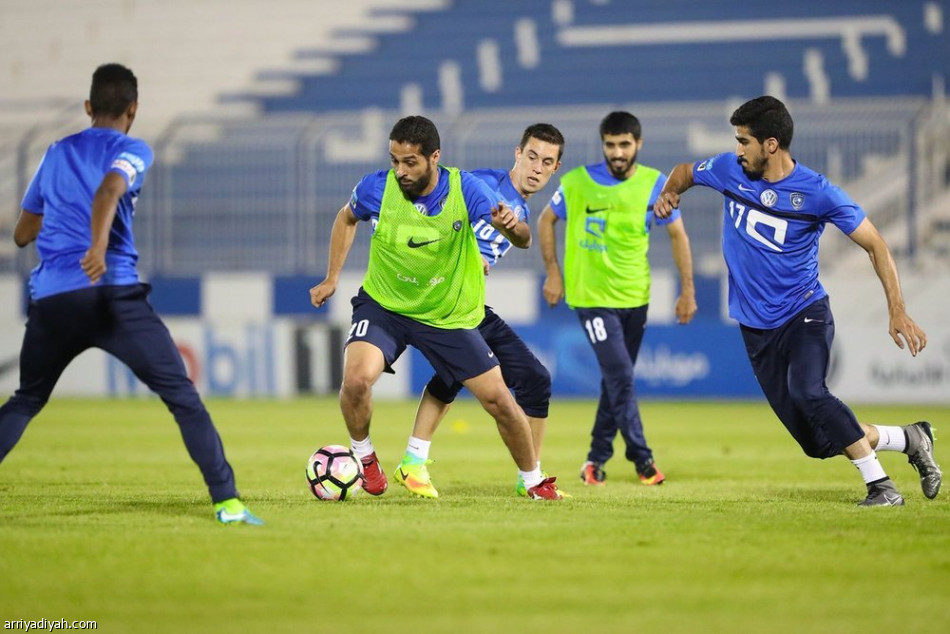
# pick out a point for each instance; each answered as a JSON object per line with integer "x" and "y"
{"x": 774, "y": 212}
{"x": 537, "y": 157}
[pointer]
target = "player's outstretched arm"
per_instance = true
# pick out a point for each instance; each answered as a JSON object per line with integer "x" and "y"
{"x": 553, "y": 288}
{"x": 27, "y": 227}
{"x": 341, "y": 239}
{"x": 683, "y": 257}
{"x": 680, "y": 179}
{"x": 901, "y": 325}
{"x": 104, "y": 205}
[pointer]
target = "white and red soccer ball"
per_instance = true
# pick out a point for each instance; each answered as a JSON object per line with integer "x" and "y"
{"x": 334, "y": 473}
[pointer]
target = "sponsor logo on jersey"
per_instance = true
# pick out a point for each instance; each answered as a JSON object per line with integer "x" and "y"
{"x": 595, "y": 210}
{"x": 768, "y": 197}
{"x": 457, "y": 225}
{"x": 596, "y": 227}
{"x": 705, "y": 165}
{"x": 798, "y": 200}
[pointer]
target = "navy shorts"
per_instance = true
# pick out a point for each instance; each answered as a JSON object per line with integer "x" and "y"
{"x": 522, "y": 371}
{"x": 790, "y": 363}
{"x": 455, "y": 354}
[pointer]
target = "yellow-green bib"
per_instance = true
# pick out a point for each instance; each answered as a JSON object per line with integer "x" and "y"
{"x": 606, "y": 240}
{"x": 427, "y": 268}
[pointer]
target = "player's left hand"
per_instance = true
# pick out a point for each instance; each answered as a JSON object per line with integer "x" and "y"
{"x": 320, "y": 293}
{"x": 685, "y": 308}
{"x": 502, "y": 217}
{"x": 903, "y": 326}
{"x": 486, "y": 267}
{"x": 93, "y": 264}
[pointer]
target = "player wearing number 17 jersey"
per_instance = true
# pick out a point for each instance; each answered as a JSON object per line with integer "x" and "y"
{"x": 774, "y": 212}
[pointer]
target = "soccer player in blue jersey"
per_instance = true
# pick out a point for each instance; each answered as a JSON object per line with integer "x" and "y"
{"x": 425, "y": 287}
{"x": 85, "y": 292}
{"x": 537, "y": 157}
{"x": 774, "y": 212}
{"x": 607, "y": 207}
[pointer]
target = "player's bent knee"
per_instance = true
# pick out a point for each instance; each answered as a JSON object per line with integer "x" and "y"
{"x": 534, "y": 395}
{"x": 821, "y": 452}
{"x": 497, "y": 402}
{"x": 356, "y": 386}
{"x": 443, "y": 393}
{"x": 26, "y": 404}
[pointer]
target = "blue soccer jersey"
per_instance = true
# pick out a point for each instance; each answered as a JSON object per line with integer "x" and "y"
{"x": 770, "y": 235}
{"x": 491, "y": 242}
{"x": 62, "y": 191}
{"x": 367, "y": 197}
{"x": 602, "y": 176}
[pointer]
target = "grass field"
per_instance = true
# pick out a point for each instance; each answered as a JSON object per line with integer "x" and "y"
{"x": 103, "y": 517}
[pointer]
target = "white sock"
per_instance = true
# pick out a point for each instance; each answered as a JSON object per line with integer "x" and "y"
{"x": 418, "y": 447}
{"x": 362, "y": 448}
{"x": 871, "y": 470}
{"x": 531, "y": 478}
{"x": 892, "y": 438}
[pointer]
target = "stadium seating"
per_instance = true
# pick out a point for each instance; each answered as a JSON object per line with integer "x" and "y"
{"x": 539, "y": 52}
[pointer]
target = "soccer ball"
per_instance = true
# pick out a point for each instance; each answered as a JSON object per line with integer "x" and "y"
{"x": 334, "y": 473}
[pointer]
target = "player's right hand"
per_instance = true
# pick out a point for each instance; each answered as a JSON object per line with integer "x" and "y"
{"x": 503, "y": 217}
{"x": 665, "y": 203}
{"x": 320, "y": 293}
{"x": 93, "y": 264}
{"x": 553, "y": 290}
{"x": 901, "y": 325}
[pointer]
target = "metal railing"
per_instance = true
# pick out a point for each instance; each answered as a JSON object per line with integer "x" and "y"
{"x": 262, "y": 193}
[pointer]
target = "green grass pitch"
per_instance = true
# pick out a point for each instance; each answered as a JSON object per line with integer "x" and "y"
{"x": 103, "y": 517}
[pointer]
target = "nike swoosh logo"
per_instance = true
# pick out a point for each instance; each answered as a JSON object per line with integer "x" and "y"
{"x": 808, "y": 320}
{"x": 491, "y": 354}
{"x": 412, "y": 244}
{"x": 595, "y": 211}
{"x": 403, "y": 474}
{"x": 746, "y": 189}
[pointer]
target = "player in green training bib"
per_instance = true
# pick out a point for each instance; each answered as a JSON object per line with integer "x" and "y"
{"x": 424, "y": 287}
{"x": 608, "y": 209}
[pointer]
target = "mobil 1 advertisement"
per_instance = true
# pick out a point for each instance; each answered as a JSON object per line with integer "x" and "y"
{"x": 252, "y": 359}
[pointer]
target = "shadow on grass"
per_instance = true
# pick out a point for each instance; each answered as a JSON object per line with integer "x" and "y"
{"x": 32, "y": 510}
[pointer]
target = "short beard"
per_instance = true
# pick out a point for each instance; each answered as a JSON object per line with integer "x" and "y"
{"x": 413, "y": 190}
{"x": 621, "y": 175}
{"x": 754, "y": 171}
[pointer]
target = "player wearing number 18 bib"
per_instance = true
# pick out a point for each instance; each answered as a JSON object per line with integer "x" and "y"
{"x": 774, "y": 212}
{"x": 608, "y": 211}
